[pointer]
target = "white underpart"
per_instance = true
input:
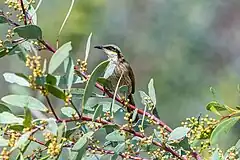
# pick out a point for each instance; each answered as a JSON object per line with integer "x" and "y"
{"x": 111, "y": 55}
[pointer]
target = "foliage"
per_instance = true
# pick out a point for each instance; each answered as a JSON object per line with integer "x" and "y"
{"x": 76, "y": 135}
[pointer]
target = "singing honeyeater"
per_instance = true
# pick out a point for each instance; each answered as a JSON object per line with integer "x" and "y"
{"x": 120, "y": 68}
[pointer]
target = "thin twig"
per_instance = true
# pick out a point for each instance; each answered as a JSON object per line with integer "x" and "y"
{"x": 51, "y": 108}
{"x": 24, "y": 12}
{"x": 129, "y": 130}
{"x": 79, "y": 114}
{"x": 84, "y": 118}
{"x": 47, "y": 45}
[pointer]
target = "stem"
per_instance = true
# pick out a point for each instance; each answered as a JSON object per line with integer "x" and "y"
{"x": 51, "y": 108}
{"x": 24, "y": 12}
{"x": 79, "y": 114}
{"x": 137, "y": 134}
{"x": 140, "y": 111}
{"x": 47, "y": 45}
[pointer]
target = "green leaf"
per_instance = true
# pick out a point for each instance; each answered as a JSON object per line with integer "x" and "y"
{"x": 215, "y": 107}
{"x": 103, "y": 81}
{"x": 40, "y": 81}
{"x": 3, "y": 19}
{"x": 222, "y": 129}
{"x": 3, "y": 52}
{"x": 57, "y": 92}
{"x": 50, "y": 79}
{"x": 59, "y": 56}
{"x": 25, "y": 101}
{"x": 123, "y": 89}
{"x": 17, "y": 127}
{"x": 21, "y": 156}
{"x": 109, "y": 70}
{"x": 88, "y": 47}
{"x": 52, "y": 126}
{"x": 238, "y": 146}
{"x": 98, "y": 112}
{"x": 135, "y": 112}
{"x": 61, "y": 132}
{"x": 29, "y": 32}
{"x": 105, "y": 157}
{"x": 77, "y": 79}
{"x": 143, "y": 96}
{"x": 4, "y": 108}
{"x": 91, "y": 82}
{"x": 13, "y": 78}
{"x": 27, "y": 118}
{"x": 3, "y": 142}
{"x": 114, "y": 157}
{"x": 68, "y": 111}
{"x": 70, "y": 73}
{"x": 8, "y": 118}
{"x": 77, "y": 91}
{"x": 115, "y": 136}
{"x": 81, "y": 146}
{"x": 69, "y": 132}
{"x": 178, "y": 133}
{"x": 185, "y": 144}
{"x": 119, "y": 148}
{"x": 151, "y": 92}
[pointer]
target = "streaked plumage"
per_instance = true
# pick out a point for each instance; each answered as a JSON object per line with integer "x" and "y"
{"x": 122, "y": 67}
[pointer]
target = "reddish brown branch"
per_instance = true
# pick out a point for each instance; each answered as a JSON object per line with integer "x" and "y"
{"x": 137, "y": 134}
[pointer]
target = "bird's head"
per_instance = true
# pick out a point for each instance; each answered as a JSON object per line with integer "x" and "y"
{"x": 113, "y": 52}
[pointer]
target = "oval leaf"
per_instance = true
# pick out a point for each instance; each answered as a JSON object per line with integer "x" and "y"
{"x": 3, "y": 19}
{"x": 52, "y": 126}
{"x": 27, "y": 118}
{"x": 91, "y": 82}
{"x": 115, "y": 136}
{"x": 68, "y": 111}
{"x": 13, "y": 78}
{"x": 222, "y": 129}
{"x": 88, "y": 47}
{"x": 24, "y": 101}
{"x": 8, "y": 118}
{"x": 57, "y": 92}
{"x": 29, "y": 32}
{"x": 58, "y": 58}
{"x": 178, "y": 133}
{"x": 151, "y": 92}
{"x": 4, "y": 108}
{"x": 215, "y": 107}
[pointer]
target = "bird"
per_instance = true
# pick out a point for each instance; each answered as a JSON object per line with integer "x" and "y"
{"x": 117, "y": 68}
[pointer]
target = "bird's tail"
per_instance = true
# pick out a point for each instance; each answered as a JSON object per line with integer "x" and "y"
{"x": 131, "y": 101}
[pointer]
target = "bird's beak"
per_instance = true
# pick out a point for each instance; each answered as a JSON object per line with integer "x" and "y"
{"x": 99, "y": 47}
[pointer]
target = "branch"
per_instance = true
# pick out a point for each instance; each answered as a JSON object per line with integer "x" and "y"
{"x": 137, "y": 134}
{"x": 24, "y": 12}
{"x": 79, "y": 114}
{"x": 51, "y": 108}
{"x": 140, "y": 111}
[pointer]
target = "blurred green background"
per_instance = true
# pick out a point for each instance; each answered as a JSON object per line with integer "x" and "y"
{"x": 186, "y": 46}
